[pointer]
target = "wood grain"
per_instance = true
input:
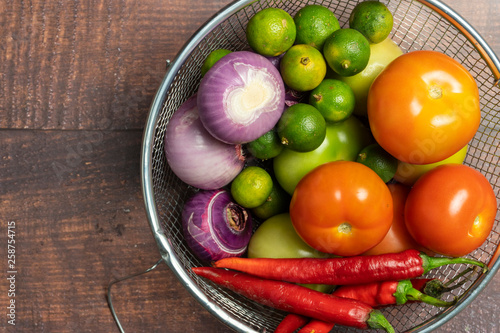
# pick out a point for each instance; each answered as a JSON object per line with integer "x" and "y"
{"x": 89, "y": 64}
{"x": 76, "y": 82}
{"x": 81, "y": 224}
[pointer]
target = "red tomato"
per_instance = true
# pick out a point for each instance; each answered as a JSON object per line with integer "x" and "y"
{"x": 451, "y": 210}
{"x": 341, "y": 207}
{"x": 424, "y": 107}
{"x": 398, "y": 238}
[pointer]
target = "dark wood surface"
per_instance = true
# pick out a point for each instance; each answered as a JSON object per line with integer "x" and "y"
{"x": 76, "y": 82}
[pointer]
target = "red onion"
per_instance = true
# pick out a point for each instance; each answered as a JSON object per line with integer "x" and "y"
{"x": 293, "y": 96}
{"x": 214, "y": 226}
{"x": 196, "y": 157}
{"x": 276, "y": 60}
{"x": 241, "y": 97}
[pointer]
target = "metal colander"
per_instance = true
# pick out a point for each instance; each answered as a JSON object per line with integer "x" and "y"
{"x": 417, "y": 25}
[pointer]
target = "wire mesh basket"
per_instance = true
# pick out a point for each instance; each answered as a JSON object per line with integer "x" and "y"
{"x": 417, "y": 25}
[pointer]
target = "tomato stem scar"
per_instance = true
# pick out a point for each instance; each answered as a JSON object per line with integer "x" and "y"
{"x": 345, "y": 228}
{"x": 435, "y": 92}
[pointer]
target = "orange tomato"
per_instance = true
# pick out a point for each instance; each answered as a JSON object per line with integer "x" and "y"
{"x": 423, "y": 107}
{"x": 451, "y": 210}
{"x": 398, "y": 238}
{"x": 341, "y": 207}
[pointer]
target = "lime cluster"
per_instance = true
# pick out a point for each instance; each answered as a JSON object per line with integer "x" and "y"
{"x": 313, "y": 54}
{"x": 309, "y": 46}
{"x": 254, "y": 188}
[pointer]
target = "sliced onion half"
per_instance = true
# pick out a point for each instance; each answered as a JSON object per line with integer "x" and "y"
{"x": 241, "y": 97}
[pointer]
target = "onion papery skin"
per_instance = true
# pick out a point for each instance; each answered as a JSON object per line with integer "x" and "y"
{"x": 293, "y": 97}
{"x": 276, "y": 60}
{"x": 208, "y": 229}
{"x": 196, "y": 157}
{"x": 241, "y": 97}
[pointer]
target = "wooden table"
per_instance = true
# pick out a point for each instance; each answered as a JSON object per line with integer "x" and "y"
{"x": 76, "y": 82}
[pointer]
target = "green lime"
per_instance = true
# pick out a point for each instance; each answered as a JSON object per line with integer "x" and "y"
{"x": 380, "y": 161}
{"x": 314, "y": 24}
{"x": 251, "y": 187}
{"x": 373, "y": 19}
{"x": 347, "y": 51}
{"x": 303, "y": 67}
{"x": 267, "y": 146}
{"x": 212, "y": 58}
{"x": 334, "y": 99}
{"x": 302, "y": 127}
{"x": 271, "y": 31}
{"x": 381, "y": 55}
{"x": 278, "y": 202}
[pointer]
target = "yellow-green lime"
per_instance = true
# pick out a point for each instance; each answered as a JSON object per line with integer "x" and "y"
{"x": 408, "y": 174}
{"x": 347, "y": 51}
{"x": 267, "y": 146}
{"x": 334, "y": 99}
{"x": 373, "y": 19}
{"x": 278, "y": 202}
{"x": 314, "y": 24}
{"x": 380, "y": 161}
{"x": 212, "y": 58}
{"x": 301, "y": 127}
{"x": 251, "y": 187}
{"x": 271, "y": 31}
{"x": 303, "y": 67}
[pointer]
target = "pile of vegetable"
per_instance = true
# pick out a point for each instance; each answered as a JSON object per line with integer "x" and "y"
{"x": 321, "y": 216}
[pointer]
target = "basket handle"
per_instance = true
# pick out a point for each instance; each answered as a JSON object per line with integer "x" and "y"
{"x": 470, "y": 33}
{"x": 112, "y": 283}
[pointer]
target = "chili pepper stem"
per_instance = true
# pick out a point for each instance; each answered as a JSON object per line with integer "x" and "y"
{"x": 405, "y": 292}
{"x": 436, "y": 288}
{"x": 429, "y": 263}
{"x": 447, "y": 286}
{"x": 415, "y": 295}
{"x": 377, "y": 320}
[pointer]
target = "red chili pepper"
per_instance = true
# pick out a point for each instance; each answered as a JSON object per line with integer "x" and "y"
{"x": 316, "y": 326}
{"x": 375, "y": 294}
{"x": 291, "y": 322}
{"x": 297, "y": 299}
{"x": 420, "y": 284}
{"x": 341, "y": 271}
{"x": 380, "y": 294}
